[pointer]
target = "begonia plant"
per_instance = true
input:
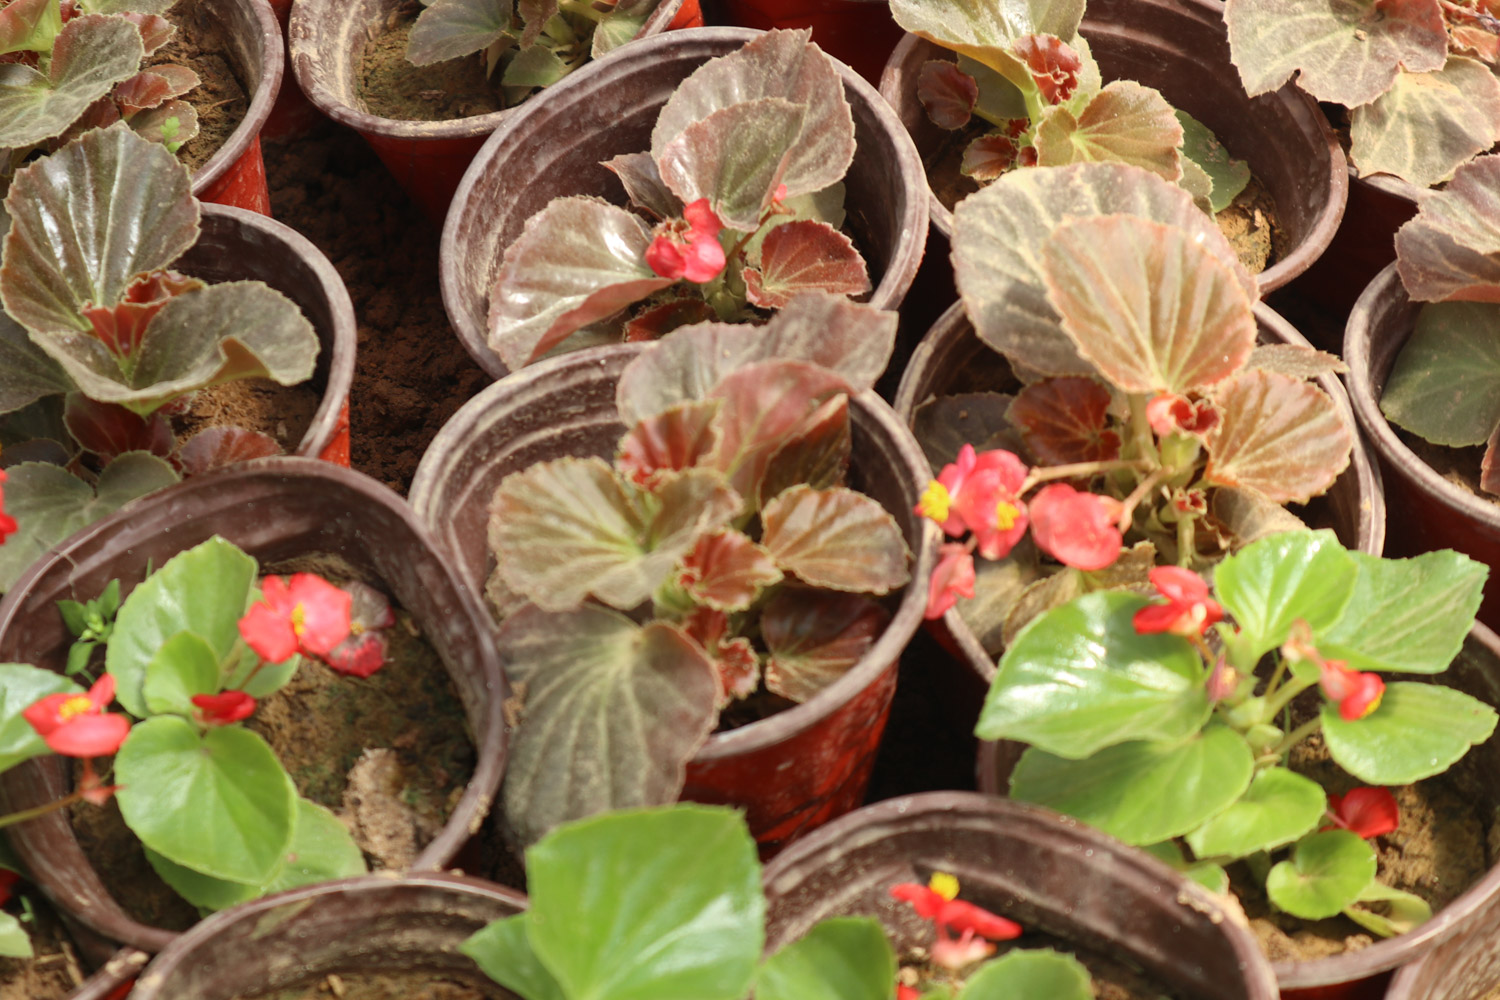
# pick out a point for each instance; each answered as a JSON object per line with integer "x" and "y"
{"x": 1024, "y": 71}
{"x": 101, "y": 339}
{"x": 1445, "y": 383}
{"x": 1161, "y": 431}
{"x": 188, "y": 654}
{"x": 1175, "y": 725}
{"x": 1418, "y": 76}
{"x": 719, "y": 551}
{"x": 530, "y": 43}
{"x": 744, "y": 185}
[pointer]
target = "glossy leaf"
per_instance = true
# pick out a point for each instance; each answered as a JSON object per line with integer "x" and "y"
{"x": 1227, "y": 175}
{"x": 1344, "y": 51}
{"x": 1081, "y": 678}
{"x": 836, "y": 538}
{"x": 736, "y": 158}
{"x": 727, "y": 571}
{"x": 1277, "y": 808}
{"x": 842, "y": 958}
{"x": 1270, "y": 584}
{"x": 676, "y": 438}
{"x": 502, "y": 949}
{"x": 1451, "y": 250}
{"x": 448, "y": 29}
{"x": 109, "y": 430}
{"x": 1279, "y": 436}
{"x": 814, "y": 638}
{"x": 1065, "y": 420}
{"x": 64, "y": 251}
{"x": 21, "y": 686}
{"x": 218, "y": 803}
{"x": 613, "y": 712}
{"x": 570, "y": 528}
{"x": 578, "y": 260}
{"x": 947, "y": 93}
{"x": 644, "y": 186}
{"x": 1326, "y": 872}
{"x": 91, "y": 55}
{"x": 1417, "y": 731}
{"x": 1039, "y": 974}
{"x": 26, "y": 372}
{"x": 1445, "y": 384}
{"x": 1428, "y": 124}
{"x": 1000, "y": 231}
{"x": 943, "y": 425}
{"x": 49, "y": 504}
{"x": 184, "y": 666}
{"x": 805, "y": 256}
{"x": 1141, "y": 792}
{"x": 204, "y": 590}
{"x": 778, "y": 65}
{"x": 1147, "y": 306}
{"x": 986, "y": 32}
{"x": 1399, "y": 911}
{"x": 1123, "y": 123}
{"x": 218, "y": 447}
{"x": 816, "y": 454}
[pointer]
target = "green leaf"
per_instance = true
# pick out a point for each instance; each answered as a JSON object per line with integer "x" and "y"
{"x": 1268, "y": 585}
{"x": 836, "y": 538}
{"x": 659, "y": 904}
{"x": 92, "y": 54}
{"x": 1277, "y": 808}
{"x": 503, "y": 951}
{"x": 1428, "y": 124}
{"x": 1451, "y": 250}
{"x": 814, "y": 637}
{"x": 21, "y": 686}
{"x": 1327, "y": 872}
{"x": 204, "y": 590}
{"x": 1418, "y": 731}
{"x": 1081, "y": 678}
{"x": 1395, "y": 912}
{"x": 14, "y": 941}
{"x": 1407, "y": 614}
{"x": 1141, "y": 792}
{"x": 1280, "y": 436}
{"x": 185, "y": 665}
{"x": 846, "y": 958}
{"x": 30, "y": 26}
{"x": 1040, "y": 974}
{"x": 219, "y": 803}
{"x": 1445, "y": 384}
{"x": 1211, "y": 876}
{"x": 1228, "y": 175}
{"x": 619, "y": 26}
{"x": 1123, "y": 123}
{"x": 534, "y": 66}
{"x": 448, "y": 29}
{"x": 735, "y": 158}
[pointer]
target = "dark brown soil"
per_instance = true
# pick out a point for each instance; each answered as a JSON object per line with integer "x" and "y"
{"x": 283, "y": 412}
{"x": 391, "y": 87}
{"x": 220, "y": 98}
{"x": 53, "y": 972}
{"x": 394, "y": 986}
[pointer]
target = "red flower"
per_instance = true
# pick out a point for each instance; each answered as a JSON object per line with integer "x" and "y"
{"x": 952, "y": 578}
{"x": 7, "y": 880}
{"x": 1369, "y": 812}
{"x": 937, "y": 902}
{"x": 8, "y": 524}
{"x": 222, "y": 709}
{"x": 694, "y": 253}
{"x": 309, "y": 614}
{"x": 1358, "y": 694}
{"x": 904, "y": 992}
{"x": 1188, "y": 611}
{"x": 1077, "y": 529}
{"x": 980, "y": 493}
{"x": 76, "y": 725}
{"x": 1170, "y": 414}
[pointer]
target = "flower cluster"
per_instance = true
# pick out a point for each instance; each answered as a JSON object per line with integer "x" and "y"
{"x": 976, "y": 927}
{"x": 1356, "y": 693}
{"x": 693, "y": 252}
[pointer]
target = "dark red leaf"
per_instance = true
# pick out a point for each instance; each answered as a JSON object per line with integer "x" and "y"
{"x": 673, "y": 439}
{"x": 1065, "y": 420}
{"x": 155, "y": 30}
{"x": 144, "y": 90}
{"x": 734, "y": 661}
{"x": 814, "y": 637}
{"x": 663, "y": 319}
{"x": 817, "y": 453}
{"x": 805, "y": 256}
{"x": 1053, "y": 64}
{"x": 991, "y": 155}
{"x": 947, "y": 92}
{"x": 109, "y": 429}
{"x": 220, "y": 446}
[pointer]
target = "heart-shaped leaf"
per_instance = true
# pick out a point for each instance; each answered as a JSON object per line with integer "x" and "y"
{"x": 1123, "y": 123}
{"x": 986, "y": 32}
{"x": 1270, "y": 584}
{"x": 815, "y": 637}
{"x": 1141, "y": 792}
{"x": 153, "y": 88}
{"x": 613, "y": 713}
{"x": 1277, "y": 808}
{"x": 109, "y": 430}
{"x": 1451, "y": 250}
{"x": 1428, "y": 124}
{"x": 1344, "y": 51}
{"x": 219, "y": 803}
{"x": 503, "y": 951}
{"x": 1065, "y": 420}
{"x": 943, "y": 425}
{"x": 534, "y": 66}
{"x": 836, "y": 538}
{"x": 620, "y": 25}
{"x": 1327, "y": 872}
{"x": 1279, "y": 436}
{"x": 843, "y": 958}
{"x": 91, "y": 55}
{"x": 644, "y": 186}
{"x": 26, "y": 372}
{"x": 170, "y": 125}
{"x": 804, "y": 256}
{"x": 578, "y": 260}
{"x": 217, "y": 447}
{"x": 448, "y": 29}
{"x": 1146, "y": 304}
{"x": 1081, "y": 678}
{"x": 736, "y": 158}
{"x": 1417, "y": 731}
{"x": 1227, "y": 176}
{"x": 184, "y": 666}
{"x": 728, "y": 571}
{"x": 1445, "y": 384}
{"x": 1027, "y": 974}
{"x": 21, "y": 686}
{"x": 947, "y": 93}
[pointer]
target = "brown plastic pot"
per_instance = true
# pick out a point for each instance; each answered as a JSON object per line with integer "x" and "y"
{"x": 371, "y": 924}
{"x": 113, "y": 980}
{"x": 1049, "y": 873}
{"x": 858, "y": 32}
{"x": 1427, "y": 511}
{"x": 1363, "y": 975}
{"x": 275, "y": 509}
{"x": 236, "y": 174}
{"x": 238, "y": 245}
{"x": 1181, "y": 48}
{"x": 292, "y": 114}
{"x": 1355, "y": 504}
{"x": 327, "y": 39}
{"x": 792, "y": 771}
{"x": 553, "y": 146}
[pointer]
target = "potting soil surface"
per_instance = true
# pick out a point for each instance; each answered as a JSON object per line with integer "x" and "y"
{"x": 219, "y": 99}
{"x": 393, "y": 986}
{"x": 54, "y": 972}
{"x": 1112, "y": 979}
{"x": 391, "y": 87}
{"x": 283, "y": 412}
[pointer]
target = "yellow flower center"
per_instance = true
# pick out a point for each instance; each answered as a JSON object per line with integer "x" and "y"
{"x": 1006, "y": 515}
{"x": 299, "y": 619}
{"x": 1373, "y": 705}
{"x": 79, "y": 704}
{"x": 935, "y": 502}
{"x": 944, "y": 885}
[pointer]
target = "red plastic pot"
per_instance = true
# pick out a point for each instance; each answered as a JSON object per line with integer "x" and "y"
{"x": 1048, "y": 872}
{"x": 792, "y": 771}
{"x": 326, "y": 39}
{"x": 292, "y": 114}
{"x": 542, "y": 154}
{"x": 858, "y": 32}
{"x": 275, "y": 509}
{"x": 1181, "y": 48}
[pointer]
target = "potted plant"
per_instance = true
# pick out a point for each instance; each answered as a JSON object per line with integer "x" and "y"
{"x": 100, "y": 348}
{"x": 1276, "y": 811}
{"x": 358, "y": 532}
{"x": 1418, "y": 346}
{"x": 688, "y": 98}
{"x": 579, "y": 406}
{"x": 1027, "y": 90}
{"x": 330, "y": 42}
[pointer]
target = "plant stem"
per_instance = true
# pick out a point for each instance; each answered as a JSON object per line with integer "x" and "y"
{"x": 1297, "y": 735}
{"x": 1291, "y": 689}
{"x": 1127, "y": 514}
{"x": 1187, "y": 543}
{"x": 1080, "y": 469}
{"x": 1145, "y": 444}
{"x": 1276, "y": 675}
{"x": 11, "y": 819}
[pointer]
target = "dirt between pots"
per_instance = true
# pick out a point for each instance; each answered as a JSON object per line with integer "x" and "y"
{"x": 54, "y": 971}
{"x": 283, "y": 412}
{"x": 391, "y": 87}
{"x": 220, "y": 99}
{"x": 385, "y": 986}
{"x": 1112, "y": 978}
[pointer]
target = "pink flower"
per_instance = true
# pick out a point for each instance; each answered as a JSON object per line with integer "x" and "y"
{"x": 694, "y": 254}
{"x": 1188, "y": 611}
{"x": 961, "y": 952}
{"x": 76, "y": 725}
{"x": 937, "y": 901}
{"x": 1077, "y": 529}
{"x": 1171, "y": 414}
{"x": 1369, "y": 812}
{"x": 1358, "y": 694}
{"x": 363, "y": 651}
{"x": 980, "y": 493}
{"x": 222, "y": 709}
{"x": 952, "y": 578}
{"x": 8, "y": 524}
{"x": 308, "y": 614}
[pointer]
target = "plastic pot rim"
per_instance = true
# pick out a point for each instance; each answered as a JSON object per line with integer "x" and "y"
{"x": 248, "y": 131}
